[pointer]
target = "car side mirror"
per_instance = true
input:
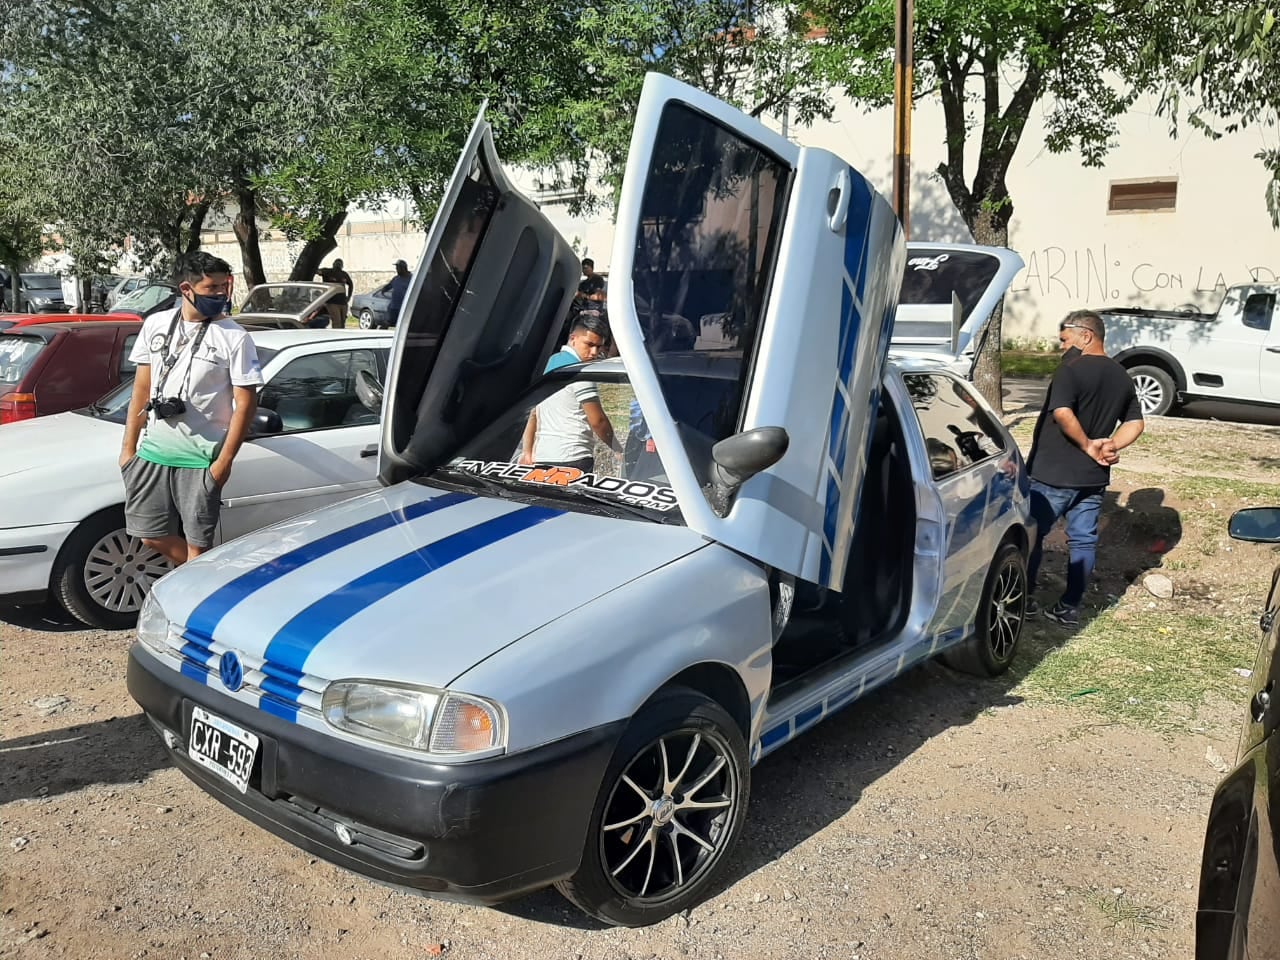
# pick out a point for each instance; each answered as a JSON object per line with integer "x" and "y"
{"x": 736, "y": 459}
{"x": 265, "y": 423}
{"x": 1255, "y": 524}
{"x": 369, "y": 390}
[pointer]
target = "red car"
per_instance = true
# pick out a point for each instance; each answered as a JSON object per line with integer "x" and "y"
{"x": 10, "y": 320}
{"x": 49, "y": 367}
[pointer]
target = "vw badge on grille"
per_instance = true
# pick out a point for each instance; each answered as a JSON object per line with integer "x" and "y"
{"x": 231, "y": 672}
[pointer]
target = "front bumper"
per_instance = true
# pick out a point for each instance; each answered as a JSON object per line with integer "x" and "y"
{"x": 27, "y": 555}
{"x": 483, "y": 832}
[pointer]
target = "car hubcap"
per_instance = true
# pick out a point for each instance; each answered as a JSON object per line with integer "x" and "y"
{"x": 1150, "y": 392}
{"x": 120, "y": 570}
{"x": 1008, "y": 610}
{"x": 669, "y": 813}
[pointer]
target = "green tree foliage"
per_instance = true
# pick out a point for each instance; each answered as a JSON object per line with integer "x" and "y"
{"x": 1227, "y": 57}
{"x": 754, "y": 55}
{"x": 137, "y": 115}
{"x": 992, "y": 63}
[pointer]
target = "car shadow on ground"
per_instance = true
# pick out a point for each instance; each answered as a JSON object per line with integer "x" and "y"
{"x": 807, "y": 785}
{"x": 47, "y": 617}
{"x": 112, "y": 751}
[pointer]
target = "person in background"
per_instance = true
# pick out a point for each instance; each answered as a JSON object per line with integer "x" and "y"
{"x": 399, "y": 287}
{"x": 337, "y": 307}
{"x": 1076, "y": 441}
{"x": 592, "y": 286}
{"x": 562, "y": 429}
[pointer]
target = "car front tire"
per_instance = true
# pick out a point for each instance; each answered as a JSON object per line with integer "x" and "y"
{"x": 670, "y": 808}
{"x": 102, "y": 574}
{"x": 1001, "y": 615}
{"x": 366, "y": 319}
{"x": 1155, "y": 389}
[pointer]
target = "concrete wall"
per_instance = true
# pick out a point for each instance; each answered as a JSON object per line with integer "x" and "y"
{"x": 1077, "y": 254}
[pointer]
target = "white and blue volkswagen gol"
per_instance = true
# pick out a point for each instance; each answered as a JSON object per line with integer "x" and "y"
{"x": 492, "y": 676}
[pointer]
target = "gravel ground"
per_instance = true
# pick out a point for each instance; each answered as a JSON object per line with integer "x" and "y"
{"x": 941, "y": 817}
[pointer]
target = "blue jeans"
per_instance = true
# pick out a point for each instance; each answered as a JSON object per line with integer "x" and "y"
{"x": 1081, "y": 507}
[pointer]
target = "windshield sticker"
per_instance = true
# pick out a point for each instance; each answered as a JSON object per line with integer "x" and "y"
{"x": 928, "y": 263}
{"x": 639, "y": 493}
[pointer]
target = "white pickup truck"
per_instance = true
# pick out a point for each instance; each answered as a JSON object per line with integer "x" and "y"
{"x": 1176, "y": 356}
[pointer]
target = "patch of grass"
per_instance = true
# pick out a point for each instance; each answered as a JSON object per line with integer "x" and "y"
{"x": 1221, "y": 488}
{"x": 1125, "y": 914}
{"x": 1151, "y": 667}
{"x": 1027, "y": 363}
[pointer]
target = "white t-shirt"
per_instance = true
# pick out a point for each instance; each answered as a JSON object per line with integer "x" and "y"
{"x": 225, "y": 358}
{"x": 563, "y": 432}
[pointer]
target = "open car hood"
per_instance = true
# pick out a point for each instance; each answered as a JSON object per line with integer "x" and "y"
{"x": 778, "y": 265}
{"x": 286, "y": 301}
{"x": 949, "y": 293}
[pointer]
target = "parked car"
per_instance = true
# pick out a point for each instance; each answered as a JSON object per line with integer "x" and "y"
{"x": 1238, "y": 912}
{"x": 61, "y": 497}
{"x": 289, "y": 304}
{"x": 122, "y": 287}
{"x": 398, "y": 682}
{"x": 146, "y": 299}
{"x": 37, "y": 293}
{"x": 373, "y": 309}
{"x": 47, "y": 368}
{"x": 1175, "y": 356}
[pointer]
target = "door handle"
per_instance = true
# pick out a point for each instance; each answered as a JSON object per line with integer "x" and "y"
{"x": 1275, "y": 349}
{"x": 838, "y": 205}
{"x": 370, "y": 451}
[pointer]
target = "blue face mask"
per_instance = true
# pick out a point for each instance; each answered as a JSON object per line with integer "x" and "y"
{"x": 210, "y": 306}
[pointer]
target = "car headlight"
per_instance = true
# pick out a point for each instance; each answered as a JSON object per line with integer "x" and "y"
{"x": 153, "y": 626}
{"x": 41, "y": 301}
{"x": 420, "y": 718}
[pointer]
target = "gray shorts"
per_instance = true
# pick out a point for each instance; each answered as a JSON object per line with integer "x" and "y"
{"x": 164, "y": 501}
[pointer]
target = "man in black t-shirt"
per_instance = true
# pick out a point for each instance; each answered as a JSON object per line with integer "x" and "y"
{"x": 1076, "y": 442}
{"x": 337, "y": 306}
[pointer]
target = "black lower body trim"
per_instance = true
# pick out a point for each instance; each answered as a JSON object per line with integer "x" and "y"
{"x": 483, "y": 832}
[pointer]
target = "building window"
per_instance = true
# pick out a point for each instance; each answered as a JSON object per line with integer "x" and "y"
{"x": 1143, "y": 195}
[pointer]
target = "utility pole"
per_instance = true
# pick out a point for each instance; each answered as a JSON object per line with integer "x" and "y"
{"x": 904, "y": 16}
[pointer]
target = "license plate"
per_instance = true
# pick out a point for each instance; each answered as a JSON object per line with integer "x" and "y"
{"x": 222, "y": 748}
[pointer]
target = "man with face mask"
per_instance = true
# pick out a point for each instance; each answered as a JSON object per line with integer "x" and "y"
{"x": 194, "y": 395}
{"x": 1075, "y": 443}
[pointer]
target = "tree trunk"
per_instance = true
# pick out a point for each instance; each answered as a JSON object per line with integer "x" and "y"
{"x": 991, "y": 228}
{"x": 198, "y": 213}
{"x": 308, "y": 261}
{"x": 246, "y": 230}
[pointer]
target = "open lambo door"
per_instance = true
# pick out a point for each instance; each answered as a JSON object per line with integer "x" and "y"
{"x": 949, "y": 293}
{"x": 480, "y": 318}
{"x": 752, "y": 290}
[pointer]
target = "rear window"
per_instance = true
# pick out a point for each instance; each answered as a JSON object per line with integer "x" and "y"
{"x": 17, "y": 354}
{"x": 935, "y": 276}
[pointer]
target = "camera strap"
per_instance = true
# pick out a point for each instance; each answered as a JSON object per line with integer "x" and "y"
{"x": 171, "y": 357}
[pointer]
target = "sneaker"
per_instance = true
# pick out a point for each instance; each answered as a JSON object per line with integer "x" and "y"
{"x": 1033, "y": 608}
{"x": 1067, "y": 616}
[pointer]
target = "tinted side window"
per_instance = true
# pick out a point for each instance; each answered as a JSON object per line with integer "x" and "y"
{"x": 935, "y": 276}
{"x": 711, "y": 215}
{"x": 1258, "y": 308}
{"x": 127, "y": 366}
{"x": 958, "y": 431}
{"x": 318, "y": 391}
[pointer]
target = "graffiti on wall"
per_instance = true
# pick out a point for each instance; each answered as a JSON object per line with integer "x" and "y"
{"x": 1092, "y": 274}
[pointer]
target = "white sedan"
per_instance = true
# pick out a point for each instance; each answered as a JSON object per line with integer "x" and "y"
{"x": 62, "y": 500}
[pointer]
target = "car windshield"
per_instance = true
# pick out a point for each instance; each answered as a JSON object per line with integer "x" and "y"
{"x": 144, "y": 298}
{"x": 17, "y": 354}
{"x": 41, "y": 281}
{"x": 570, "y": 461}
{"x": 288, "y": 299}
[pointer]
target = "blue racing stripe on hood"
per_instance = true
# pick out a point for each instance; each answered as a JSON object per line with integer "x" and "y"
{"x": 295, "y": 641}
{"x": 206, "y": 617}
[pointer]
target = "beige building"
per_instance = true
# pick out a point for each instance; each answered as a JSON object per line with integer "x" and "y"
{"x": 1165, "y": 223}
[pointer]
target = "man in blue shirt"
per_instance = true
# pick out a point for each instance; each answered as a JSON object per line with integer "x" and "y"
{"x": 399, "y": 287}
